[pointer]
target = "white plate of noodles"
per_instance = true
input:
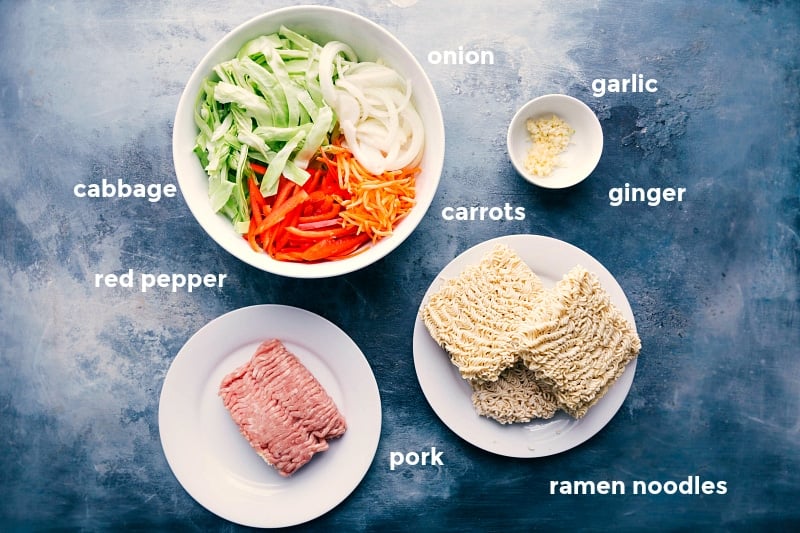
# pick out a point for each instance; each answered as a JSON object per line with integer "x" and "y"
{"x": 450, "y": 395}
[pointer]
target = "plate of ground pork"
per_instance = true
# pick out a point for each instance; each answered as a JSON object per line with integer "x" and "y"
{"x": 525, "y": 346}
{"x": 270, "y": 416}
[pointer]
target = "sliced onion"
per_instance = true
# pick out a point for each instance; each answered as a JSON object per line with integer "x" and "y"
{"x": 326, "y": 67}
{"x": 373, "y": 103}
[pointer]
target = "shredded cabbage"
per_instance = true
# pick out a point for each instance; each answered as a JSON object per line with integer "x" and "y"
{"x": 261, "y": 104}
{"x": 279, "y": 100}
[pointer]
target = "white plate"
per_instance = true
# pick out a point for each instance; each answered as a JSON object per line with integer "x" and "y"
{"x": 214, "y": 462}
{"x": 450, "y": 396}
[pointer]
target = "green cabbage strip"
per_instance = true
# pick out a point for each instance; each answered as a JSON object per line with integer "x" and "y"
{"x": 277, "y": 102}
{"x": 265, "y": 104}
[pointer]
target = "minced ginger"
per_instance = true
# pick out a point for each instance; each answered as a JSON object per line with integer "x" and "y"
{"x": 550, "y": 136}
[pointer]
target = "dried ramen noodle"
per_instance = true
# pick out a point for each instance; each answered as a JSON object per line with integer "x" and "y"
{"x": 514, "y": 397}
{"x": 581, "y": 349}
{"x": 475, "y": 315}
{"x": 525, "y": 350}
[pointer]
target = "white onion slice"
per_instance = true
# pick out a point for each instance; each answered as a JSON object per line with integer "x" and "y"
{"x": 373, "y": 103}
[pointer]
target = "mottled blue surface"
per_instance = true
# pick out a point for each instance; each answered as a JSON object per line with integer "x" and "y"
{"x": 89, "y": 90}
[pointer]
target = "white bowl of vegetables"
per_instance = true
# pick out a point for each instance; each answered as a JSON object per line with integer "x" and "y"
{"x": 309, "y": 142}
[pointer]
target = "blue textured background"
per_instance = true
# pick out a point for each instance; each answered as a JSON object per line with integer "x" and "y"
{"x": 89, "y": 90}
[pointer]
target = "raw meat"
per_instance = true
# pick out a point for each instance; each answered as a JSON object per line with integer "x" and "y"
{"x": 280, "y": 407}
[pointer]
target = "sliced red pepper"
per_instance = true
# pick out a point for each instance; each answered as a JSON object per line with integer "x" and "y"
{"x": 319, "y": 234}
{"x": 282, "y": 236}
{"x": 292, "y": 256}
{"x": 251, "y": 235}
{"x": 314, "y": 181}
{"x": 258, "y": 168}
{"x": 257, "y": 201}
{"x": 317, "y": 196}
{"x": 334, "y": 247}
{"x": 285, "y": 190}
{"x": 279, "y": 211}
{"x": 330, "y": 183}
{"x": 332, "y": 213}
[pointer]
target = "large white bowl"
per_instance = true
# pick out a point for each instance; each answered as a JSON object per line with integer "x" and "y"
{"x": 370, "y": 41}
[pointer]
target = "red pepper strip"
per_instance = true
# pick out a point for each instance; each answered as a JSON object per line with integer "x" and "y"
{"x": 327, "y": 203}
{"x": 258, "y": 168}
{"x": 266, "y": 240}
{"x": 287, "y": 208}
{"x": 285, "y": 190}
{"x": 251, "y": 236}
{"x": 295, "y": 257}
{"x": 333, "y": 213}
{"x": 333, "y": 247}
{"x": 330, "y": 182}
{"x": 317, "y": 202}
{"x": 317, "y": 196}
{"x": 330, "y": 185}
{"x": 316, "y": 235}
{"x": 314, "y": 181}
{"x": 269, "y": 237}
{"x": 282, "y": 236}
{"x": 297, "y": 246}
{"x": 257, "y": 201}
{"x": 279, "y": 211}
{"x": 355, "y": 250}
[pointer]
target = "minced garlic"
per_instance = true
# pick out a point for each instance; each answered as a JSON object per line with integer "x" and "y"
{"x": 550, "y": 136}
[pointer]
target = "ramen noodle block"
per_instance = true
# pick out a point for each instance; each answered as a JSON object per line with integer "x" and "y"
{"x": 514, "y": 397}
{"x": 525, "y": 350}
{"x": 582, "y": 346}
{"x": 474, "y": 316}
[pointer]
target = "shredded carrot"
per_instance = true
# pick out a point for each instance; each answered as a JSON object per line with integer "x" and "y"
{"x": 377, "y": 202}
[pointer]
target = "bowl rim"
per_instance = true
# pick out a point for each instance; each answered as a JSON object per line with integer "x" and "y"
{"x": 529, "y": 109}
{"x": 182, "y": 154}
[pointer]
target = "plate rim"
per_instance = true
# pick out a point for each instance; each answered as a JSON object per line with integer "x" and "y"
{"x": 466, "y": 430}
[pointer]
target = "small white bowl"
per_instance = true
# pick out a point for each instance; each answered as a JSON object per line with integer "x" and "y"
{"x": 581, "y": 156}
{"x": 370, "y": 41}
